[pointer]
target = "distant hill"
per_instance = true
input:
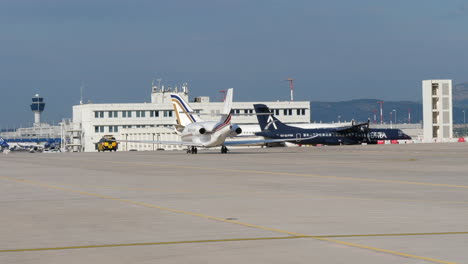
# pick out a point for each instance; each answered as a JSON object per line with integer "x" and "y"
{"x": 362, "y": 109}
{"x": 460, "y": 95}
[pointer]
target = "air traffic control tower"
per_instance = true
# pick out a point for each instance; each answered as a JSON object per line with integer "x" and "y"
{"x": 37, "y": 107}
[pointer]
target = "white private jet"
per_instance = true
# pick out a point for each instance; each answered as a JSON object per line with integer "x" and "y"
{"x": 197, "y": 133}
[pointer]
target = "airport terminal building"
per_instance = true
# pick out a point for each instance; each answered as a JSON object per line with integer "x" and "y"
{"x": 40, "y": 132}
{"x": 154, "y": 121}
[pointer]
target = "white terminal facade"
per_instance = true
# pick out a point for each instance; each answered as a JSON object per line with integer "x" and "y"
{"x": 155, "y": 120}
{"x": 437, "y": 109}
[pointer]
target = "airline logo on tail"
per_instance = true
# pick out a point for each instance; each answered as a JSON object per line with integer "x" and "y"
{"x": 266, "y": 118}
{"x": 270, "y": 121}
{"x": 3, "y": 143}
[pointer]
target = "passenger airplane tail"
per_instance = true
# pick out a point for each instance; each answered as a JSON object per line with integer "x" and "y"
{"x": 227, "y": 105}
{"x": 184, "y": 113}
{"x": 226, "y": 111}
{"x": 266, "y": 119}
{"x": 3, "y": 143}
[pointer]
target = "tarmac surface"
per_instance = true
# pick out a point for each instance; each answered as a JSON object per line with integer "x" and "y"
{"x": 344, "y": 204}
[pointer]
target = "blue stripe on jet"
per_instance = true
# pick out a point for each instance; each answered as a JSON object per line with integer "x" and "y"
{"x": 180, "y": 101}
{"x": 184, "y": 106}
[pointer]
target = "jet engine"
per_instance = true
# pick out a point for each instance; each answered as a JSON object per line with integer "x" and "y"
{"x": 235, "y": 130}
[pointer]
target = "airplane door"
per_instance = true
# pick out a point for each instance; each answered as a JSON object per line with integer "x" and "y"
{"x": 298, "y": 137}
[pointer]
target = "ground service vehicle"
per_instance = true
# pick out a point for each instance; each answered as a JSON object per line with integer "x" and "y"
{"x": 107, "y": 142}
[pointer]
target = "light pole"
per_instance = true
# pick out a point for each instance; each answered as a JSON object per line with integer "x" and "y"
{"x": 61, "y": 137}
{"x": 395, "y": 115}
{"x": 391, "y": 119}
{"x": 464, "y": 120}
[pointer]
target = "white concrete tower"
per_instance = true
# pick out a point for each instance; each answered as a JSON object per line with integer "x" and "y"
{"x": 437, "y": 109}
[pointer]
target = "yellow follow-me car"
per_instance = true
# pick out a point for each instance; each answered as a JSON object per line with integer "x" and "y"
{"x": 107, "y": 142}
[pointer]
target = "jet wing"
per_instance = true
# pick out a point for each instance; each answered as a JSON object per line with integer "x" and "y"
{"x": 179, "y": 143}
{"x": 259, "y": 142}
{"x": 363, "y": 127}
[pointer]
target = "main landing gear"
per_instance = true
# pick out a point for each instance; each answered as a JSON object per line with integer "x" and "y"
{"x": 192, "y": 150}
{"x": 224, "y": 150}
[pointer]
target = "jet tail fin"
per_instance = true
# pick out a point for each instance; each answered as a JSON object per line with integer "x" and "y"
{"x": 226, "y": 111}
{"x": 266, "y": 118}
{"x": 3, "y": 143}
{"x": 184, "y": 113}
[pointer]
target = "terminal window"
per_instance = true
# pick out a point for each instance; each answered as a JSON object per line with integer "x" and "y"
{"x": 140, "y": 113}
{"x": 99, "y": 129}
{"x": 113, "y": 128}
{"x": 99, "y": 114}
{"x": 113, "y": 114}
{"x": 167, "y": 113}
{"x": 154, "y": 113}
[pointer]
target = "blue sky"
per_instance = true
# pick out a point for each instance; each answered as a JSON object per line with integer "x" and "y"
{"x": 335, "y": 50}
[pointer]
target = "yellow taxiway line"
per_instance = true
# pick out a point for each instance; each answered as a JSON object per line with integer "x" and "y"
{"x": 149, "y": 244}
{"x": 399, "y": 234}
{"x": 220, "y": 240}
{"x": 230, "y": 221}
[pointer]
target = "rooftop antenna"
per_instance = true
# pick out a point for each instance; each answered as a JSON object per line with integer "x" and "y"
{"x": 224, "y": 95}
{"x": 153, "y": 88}
{"x": 159, "y": 83}
{"x": 81, "y": 93}
{"x": 185, "y": 88}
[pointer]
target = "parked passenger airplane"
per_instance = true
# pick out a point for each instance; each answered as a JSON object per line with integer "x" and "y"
{"x": 272, "y": 128}
{"x": 197, "y": 133}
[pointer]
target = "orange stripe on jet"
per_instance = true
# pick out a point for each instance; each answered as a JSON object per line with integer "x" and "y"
{"x": 183, "y": 109}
